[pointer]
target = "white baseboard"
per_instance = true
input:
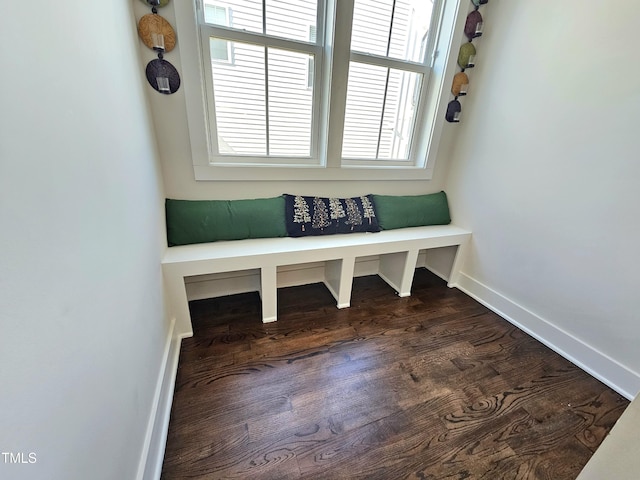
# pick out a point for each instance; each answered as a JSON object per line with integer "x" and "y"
{"x": 150, "y": 466}
{"x": 613, "y": 374}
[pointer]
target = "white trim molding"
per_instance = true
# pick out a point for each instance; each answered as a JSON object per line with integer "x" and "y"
{"x": 602, "y": 367}
{"x": 152, "y": 456}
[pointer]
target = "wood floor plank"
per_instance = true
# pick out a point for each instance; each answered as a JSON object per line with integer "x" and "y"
{"x": 432, "y": 386}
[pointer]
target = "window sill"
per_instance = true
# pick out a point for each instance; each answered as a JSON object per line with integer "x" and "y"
{"x": 270, "y": 173}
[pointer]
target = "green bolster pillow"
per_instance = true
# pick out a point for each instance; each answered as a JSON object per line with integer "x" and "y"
{"x": 201, "y": 221}
{"x": 411, "y": 211}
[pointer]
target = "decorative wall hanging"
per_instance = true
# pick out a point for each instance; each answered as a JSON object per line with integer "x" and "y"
{"x": 467, "y": 56}
{"x": 473, "y": 29}
{"x": 473, "y": 26}
{"x": 158, "y": 34}
{"x": 163, "y": 76}
{"x": 453, "y": 111}
{"x": 460, "y": 84}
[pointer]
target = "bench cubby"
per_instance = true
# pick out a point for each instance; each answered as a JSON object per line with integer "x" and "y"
{"x": 397, "y": 251}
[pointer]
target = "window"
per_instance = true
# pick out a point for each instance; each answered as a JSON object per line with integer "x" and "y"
{"x": 317, "y": 89}
{"x": 386, "y": 70}
{"x": 262, "y": 111}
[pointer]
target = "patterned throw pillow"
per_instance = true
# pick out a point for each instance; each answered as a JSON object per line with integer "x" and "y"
{"x": 326, "y": 216}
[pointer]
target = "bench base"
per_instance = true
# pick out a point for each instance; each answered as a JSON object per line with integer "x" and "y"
{"x": 397, "y": 250}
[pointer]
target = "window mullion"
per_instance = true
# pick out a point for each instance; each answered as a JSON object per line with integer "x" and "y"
{"x": 337, "y": 75}
{"x": 321, "y": 83}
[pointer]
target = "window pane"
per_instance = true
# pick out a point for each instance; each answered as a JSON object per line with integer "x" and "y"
{"x": 290, "y": 103}
{"x": 245, "y": 14}
{"x": 219, "y": 49}
{"x": 399, "y": 115}
{"x": 380, "y": 112}
{"x": 216, "y": 15}
{"x": 240, "y": 99}
{"x": 291, "y": 19}
{"x": 365, "y": 101}
{"x": 392, "y": 28}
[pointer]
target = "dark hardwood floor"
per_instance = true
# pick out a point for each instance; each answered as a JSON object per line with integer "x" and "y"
{"x": 433, "y": 386}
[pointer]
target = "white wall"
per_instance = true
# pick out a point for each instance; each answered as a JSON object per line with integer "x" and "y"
{"x": 82, "y": 320}
{"x": 546, "y": 174}
{"x": 174, "y": 145}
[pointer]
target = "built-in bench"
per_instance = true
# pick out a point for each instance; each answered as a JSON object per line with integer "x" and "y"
{"x": 398, "y": 251}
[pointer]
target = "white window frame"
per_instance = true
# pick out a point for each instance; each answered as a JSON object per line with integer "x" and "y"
{"x": 326, "y": 162}
{"x": 312, "y": 61}
{"x": 229, "y": 59}
{"x": 243, "y": 161}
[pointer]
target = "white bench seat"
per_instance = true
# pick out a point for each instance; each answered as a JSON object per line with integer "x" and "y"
{"x": 398, "y": 251}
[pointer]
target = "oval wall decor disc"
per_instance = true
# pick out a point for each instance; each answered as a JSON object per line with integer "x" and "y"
{"x": 163, "y": 3}
{"x": 163, "y": 76}
{"x": 150, "y": 26}
{"x": 460, "y": 81}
